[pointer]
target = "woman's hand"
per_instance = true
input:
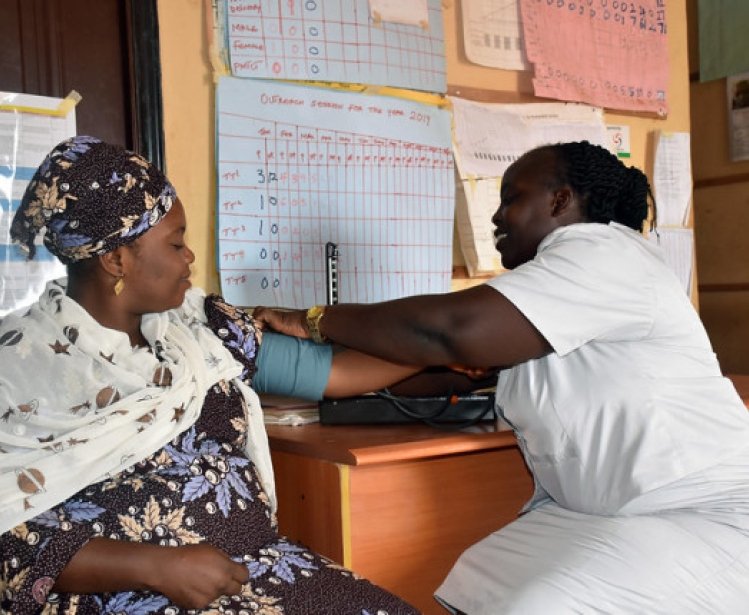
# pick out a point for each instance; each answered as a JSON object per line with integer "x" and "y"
{"x": 289, "y": 322}
{"x": 193, "y": 576}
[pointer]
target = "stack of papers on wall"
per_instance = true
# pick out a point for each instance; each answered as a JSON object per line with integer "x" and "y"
{"x": 488, "y": 138}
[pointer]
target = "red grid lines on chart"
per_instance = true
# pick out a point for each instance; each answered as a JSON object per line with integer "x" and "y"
{"x": 386, "y": 203}
{"x": 333, "y": 41}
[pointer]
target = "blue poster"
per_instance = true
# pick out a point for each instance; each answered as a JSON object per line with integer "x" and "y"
{"x": 300, "y": 167}
{"x": 334, "y": 40}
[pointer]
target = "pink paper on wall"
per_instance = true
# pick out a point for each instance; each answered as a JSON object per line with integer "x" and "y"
{"x": 608, "y": 53}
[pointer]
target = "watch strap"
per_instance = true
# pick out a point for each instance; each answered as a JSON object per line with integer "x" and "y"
{"x": 314, "y": 316}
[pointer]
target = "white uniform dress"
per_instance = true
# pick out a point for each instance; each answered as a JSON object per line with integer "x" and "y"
{"x": 638, "y": 445}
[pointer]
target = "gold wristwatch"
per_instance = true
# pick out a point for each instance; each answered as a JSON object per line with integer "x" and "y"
{"x": 314, "y": 316}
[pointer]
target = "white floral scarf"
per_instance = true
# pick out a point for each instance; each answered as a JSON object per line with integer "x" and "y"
{"x": 79, "y": 404}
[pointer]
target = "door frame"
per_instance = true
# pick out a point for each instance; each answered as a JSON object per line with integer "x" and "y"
{"x": 147, "y": 114}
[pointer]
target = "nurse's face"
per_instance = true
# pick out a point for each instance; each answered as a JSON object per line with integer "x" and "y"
{"x": 526, "y": 211}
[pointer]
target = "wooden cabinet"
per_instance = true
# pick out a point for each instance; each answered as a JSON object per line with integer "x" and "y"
{"x": 397, "y": 504}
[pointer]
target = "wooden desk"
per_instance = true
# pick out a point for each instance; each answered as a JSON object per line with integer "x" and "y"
{"x": 397, "y": 504}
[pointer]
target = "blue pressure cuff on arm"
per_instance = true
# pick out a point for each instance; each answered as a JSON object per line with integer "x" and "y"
{"x": 291, "y": 366}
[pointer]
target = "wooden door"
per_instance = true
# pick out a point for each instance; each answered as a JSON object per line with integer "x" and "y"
{"x": 106, "y": 50}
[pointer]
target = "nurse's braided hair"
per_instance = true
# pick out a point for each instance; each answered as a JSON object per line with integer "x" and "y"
{"x": 609, "y": 189}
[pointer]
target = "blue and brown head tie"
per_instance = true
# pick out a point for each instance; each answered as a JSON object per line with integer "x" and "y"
{"x": 90, "y": 197}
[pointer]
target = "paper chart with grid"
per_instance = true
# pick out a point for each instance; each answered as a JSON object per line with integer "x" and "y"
{"x": 612, "y": 54}
{"x": 334, "y": 40}
{"x": 25, "y": 139}
{"x": 299, "y": 167}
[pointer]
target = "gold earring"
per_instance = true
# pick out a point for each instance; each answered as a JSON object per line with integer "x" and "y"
{"x": 119, "y": 285}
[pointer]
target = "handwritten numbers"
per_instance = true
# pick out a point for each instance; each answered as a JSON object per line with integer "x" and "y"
{"x": 262, "y": 178}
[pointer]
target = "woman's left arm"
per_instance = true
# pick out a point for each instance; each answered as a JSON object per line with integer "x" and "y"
{"x": 300, "y": 368}
{"x": 354, "y": 373}
{"x": 282, "y": 365}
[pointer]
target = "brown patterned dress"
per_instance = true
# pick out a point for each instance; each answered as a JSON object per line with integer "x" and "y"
{"x": 200, "y": 487}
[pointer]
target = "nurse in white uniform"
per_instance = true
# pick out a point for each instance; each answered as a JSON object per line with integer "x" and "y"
{"x": 638, "y": 445}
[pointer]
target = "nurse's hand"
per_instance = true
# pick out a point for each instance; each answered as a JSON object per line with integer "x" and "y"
{"x": 475, "y": 373}
{"x": 289, "y": 322}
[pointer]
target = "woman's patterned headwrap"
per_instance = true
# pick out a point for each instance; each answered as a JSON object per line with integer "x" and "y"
{"x": 90, "y": 197}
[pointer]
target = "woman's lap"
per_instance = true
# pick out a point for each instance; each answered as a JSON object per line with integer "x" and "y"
{"x": 285, "y": 578}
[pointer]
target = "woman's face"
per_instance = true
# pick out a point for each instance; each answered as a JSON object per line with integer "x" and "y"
{"x": 525, "y": 214}
{"x": 158, "y": 268}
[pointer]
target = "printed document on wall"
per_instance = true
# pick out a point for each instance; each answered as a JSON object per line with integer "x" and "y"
{"x": 299, "y": 167}
{"x": 610, "y": 54}
{"x": 476, "y": 202}
{"x": 677, "y": 245}
{"x": 672, "y": 178}
{"x": 487, "y": 139}
{"x": 492, "y": 34}
{"x": 25, "y": 139}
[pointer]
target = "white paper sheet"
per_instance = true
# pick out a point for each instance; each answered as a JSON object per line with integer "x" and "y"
{"x": 477, "y": 200}
{"x": 25, "y": 139}
{"x": 619, "y": 140}
{"x": 677, "y": 245}
{"x": 488, "y": 138}
{"x": 672, "y": 178}
{"x": 492, "y": 34}
{"x": 412, "y": 12}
